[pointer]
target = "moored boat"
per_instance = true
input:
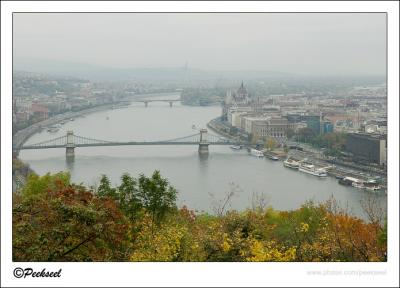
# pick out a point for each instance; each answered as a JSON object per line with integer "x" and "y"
{"x": 236, "y": 147}
{"x": 358, "y": 185}
{"x": 372, "y": 186}
{"x": 290, "y": 163}
{"x": 256, "y": 153}
{"x": 311, "y": 169}
{"x": 349, "y": 181}
{"x": 272, "y": 157}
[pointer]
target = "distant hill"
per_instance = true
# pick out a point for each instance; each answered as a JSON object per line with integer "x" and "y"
{"x": 99, "y": 73}
{"x": 177, "y": 74}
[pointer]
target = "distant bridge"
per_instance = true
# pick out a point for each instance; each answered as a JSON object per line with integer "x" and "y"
{"x": 71, "y": 141}
{"x": 146, "y": 101}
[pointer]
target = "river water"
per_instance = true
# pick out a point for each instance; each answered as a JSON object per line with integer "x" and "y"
{"x": 202, "y": 183}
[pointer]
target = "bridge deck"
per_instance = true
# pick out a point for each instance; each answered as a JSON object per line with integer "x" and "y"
{"x": 30, "y": 147}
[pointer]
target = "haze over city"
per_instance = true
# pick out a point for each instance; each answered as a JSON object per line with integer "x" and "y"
{"x": 308, "y": 44}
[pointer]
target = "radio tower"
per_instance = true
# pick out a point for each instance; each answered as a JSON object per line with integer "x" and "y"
{"x": 321, "y": 124}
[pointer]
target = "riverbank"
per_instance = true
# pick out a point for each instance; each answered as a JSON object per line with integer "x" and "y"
{"x": 336, "y": 169}
{"x": 218, "y": 126}
{"x": 22, "y": 170}
{"x": 23, "y": 135}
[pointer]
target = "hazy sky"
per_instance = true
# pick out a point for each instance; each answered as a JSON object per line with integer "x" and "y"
{"x": 298, "y": 43}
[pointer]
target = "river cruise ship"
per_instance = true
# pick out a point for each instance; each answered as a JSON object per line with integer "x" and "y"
{"x": 311, "y": 169}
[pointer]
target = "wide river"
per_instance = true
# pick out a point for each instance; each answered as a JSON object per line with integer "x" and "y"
{"x": 202, "y": 183}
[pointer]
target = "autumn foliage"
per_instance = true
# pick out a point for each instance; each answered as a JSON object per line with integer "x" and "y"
{"x": 55, "y": 220}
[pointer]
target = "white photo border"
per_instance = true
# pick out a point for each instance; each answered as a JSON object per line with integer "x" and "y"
{"x": 204, "y": 274}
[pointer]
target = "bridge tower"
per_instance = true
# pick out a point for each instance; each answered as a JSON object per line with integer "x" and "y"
{"x": 70, "y": 147}
{"x": 170, "y": 103}
{"x": 203, "y": 145}
{"x": 146, "y": 103}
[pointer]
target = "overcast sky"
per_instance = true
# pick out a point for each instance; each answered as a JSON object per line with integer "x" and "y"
{"x": 296, "y": 43}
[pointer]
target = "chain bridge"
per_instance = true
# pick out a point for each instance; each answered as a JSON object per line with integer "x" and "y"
{"x": 71, "y": 141}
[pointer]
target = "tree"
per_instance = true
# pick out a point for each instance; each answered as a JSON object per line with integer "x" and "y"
{"x": 37, "y": 185}
{"x": 128, "y": 196}
{"x": 156, "y": 195}
{"x": 65, "y": 222}
{"x": 270, "y": 143}
{"x": 105, "y": 189}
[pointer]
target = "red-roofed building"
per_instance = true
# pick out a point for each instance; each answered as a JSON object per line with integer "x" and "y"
{"x": 40, "y": 110}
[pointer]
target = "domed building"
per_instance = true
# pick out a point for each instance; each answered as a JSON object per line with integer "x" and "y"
{"x": 241, "y": 97}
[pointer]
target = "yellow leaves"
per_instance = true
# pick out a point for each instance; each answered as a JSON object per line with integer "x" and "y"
{"x": 158, "y": 243}
{"x": 226, "y": 243}
{"x": 304, "y": 227}
{"x": 268, "y": 251}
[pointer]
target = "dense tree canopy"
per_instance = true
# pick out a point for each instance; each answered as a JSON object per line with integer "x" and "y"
{"x": 56, "y": 220}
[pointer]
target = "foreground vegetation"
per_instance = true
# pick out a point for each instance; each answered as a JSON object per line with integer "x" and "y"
{"x": 56, "y": 220}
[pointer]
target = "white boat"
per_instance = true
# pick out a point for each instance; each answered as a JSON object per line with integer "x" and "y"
{"x": 236, "y": 147}
{"x": 290, "y": 163}
{"x": 310, "y": 169}
{"x": 373, "y": 188}
{"x": 272, "y": 157}
{"x": 256, "y": 153}
{"x": 358, "y": 185}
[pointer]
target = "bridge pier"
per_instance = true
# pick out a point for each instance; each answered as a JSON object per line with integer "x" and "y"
{"x": 146, "y": 103}
{"x": 170, "y": 103}
{"x": 203, "y": 149}
{"x": 203, "y": 145}
{"x": 70, "y": 147}
{"x": 70, "y": 152}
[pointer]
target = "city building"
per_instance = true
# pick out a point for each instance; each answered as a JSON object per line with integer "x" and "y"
{"x": 38, "y": 110}
{"x": 273, "y": 127}
{"x": 313, "y": 123}
{"x": 233, "y": 114}
{"x": 327, "y": 127}
{"x": 370, "y": 147}
{"x": 240, "y": 98}
{"x": 249, "y": 122}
